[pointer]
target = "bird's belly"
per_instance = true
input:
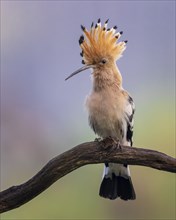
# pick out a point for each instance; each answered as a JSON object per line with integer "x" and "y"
{"x": 105, "y": 117}
{"x": 104, "y": 127}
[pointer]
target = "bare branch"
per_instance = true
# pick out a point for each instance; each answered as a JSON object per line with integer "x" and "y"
{"x": 83, "y": 154}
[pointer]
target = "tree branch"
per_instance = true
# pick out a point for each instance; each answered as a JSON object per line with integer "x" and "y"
{"x": 83, "y": 154}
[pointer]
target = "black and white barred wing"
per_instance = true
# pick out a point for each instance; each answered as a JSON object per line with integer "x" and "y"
{"x": 129, "y": 118}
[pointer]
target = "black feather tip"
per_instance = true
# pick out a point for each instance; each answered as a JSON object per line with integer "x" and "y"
{"x": 115, "y": 27}
{"x": 125, "y": 41}
{"x": 106, "y": 21}
{"x": 92, "y": 25}
{"x": 83, "y": 28}
{"x": 83, "y": 62}
{"x": 121, "y": 32}
{"x": 81, "y": 39}
{"x": 99, "y": 21}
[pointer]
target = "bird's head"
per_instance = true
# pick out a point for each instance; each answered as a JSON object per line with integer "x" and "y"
{"x": 100, "y": 47}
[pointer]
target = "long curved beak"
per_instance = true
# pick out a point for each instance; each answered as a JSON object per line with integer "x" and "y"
{"x": 80, "y": 70}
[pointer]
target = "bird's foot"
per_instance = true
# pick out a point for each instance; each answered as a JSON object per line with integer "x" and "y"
{"x": 98, "y": 139}
{"x": 117, "y": 144}
{"x": 111, "y": 143}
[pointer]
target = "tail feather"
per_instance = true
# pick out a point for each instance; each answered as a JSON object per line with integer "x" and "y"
{"x": 114, "y": 186}
{"x": 125, "y": 189}
{"x": 108, "y": 188}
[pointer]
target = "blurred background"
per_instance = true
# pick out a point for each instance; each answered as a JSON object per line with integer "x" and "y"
{"x": 43, "y": 116}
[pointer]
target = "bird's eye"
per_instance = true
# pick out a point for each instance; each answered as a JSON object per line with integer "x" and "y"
{"x": 103, "y": 61}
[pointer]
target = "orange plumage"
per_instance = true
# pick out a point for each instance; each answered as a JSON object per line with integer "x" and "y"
{"x": 101, "y": 42}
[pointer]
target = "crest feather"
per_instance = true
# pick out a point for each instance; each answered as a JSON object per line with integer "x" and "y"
{"x": 101, "y": 42}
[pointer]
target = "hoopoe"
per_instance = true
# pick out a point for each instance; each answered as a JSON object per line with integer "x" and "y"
{"x": 110, "y": 107}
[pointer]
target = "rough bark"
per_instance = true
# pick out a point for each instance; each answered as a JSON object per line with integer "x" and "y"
{"x": 83, "y": 154}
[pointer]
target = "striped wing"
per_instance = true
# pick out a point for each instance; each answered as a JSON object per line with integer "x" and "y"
{"x": 129, "y": 113}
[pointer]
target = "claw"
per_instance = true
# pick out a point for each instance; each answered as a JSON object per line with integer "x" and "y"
{"x": 111, "y": 143}
{"x": 117, "y": 144}
{"x": 98, "y": 140}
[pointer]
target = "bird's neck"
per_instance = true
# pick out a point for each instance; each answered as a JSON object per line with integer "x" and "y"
{"x": 107, "y": 78}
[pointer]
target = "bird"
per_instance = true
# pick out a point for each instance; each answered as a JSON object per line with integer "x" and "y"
{"x": 110, "y": 107}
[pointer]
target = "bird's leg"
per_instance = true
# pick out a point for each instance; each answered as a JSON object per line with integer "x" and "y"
{"x": 111, "y": 143}
{"x": 98, "y": 139}
{"x": 116, "y": 144}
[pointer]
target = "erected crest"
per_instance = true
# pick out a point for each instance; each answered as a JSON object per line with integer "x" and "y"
{"x": 100, "y": 42}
